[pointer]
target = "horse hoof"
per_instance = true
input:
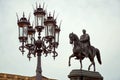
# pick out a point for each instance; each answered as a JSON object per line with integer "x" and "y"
{"x": 69, "y": 65}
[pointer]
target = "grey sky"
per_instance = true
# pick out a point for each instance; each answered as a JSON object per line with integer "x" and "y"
{"x": 101, "y": 19}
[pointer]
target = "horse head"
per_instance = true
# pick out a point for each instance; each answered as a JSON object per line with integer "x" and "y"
{"x": 73, "y": 37}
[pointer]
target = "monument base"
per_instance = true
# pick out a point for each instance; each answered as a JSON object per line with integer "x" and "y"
{"x": 84, "y": 75}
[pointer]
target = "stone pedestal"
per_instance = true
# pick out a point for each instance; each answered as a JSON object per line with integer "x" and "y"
{"x": 84, "y": 75}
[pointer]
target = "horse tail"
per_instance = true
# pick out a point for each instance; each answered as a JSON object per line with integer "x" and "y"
{"x": 98, "y": 56}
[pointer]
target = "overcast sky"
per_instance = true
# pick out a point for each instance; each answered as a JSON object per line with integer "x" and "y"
{"x": 101, "y": 19}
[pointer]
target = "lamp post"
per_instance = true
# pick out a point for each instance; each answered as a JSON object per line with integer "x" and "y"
{"x": 42, "y": 45}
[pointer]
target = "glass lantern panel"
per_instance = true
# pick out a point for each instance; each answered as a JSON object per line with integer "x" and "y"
{"x": 46, "y": 29}
{"x": 25, "y": 31}
{"x": 29, "y": 39}
{"x": 57, "y": 37}
{"x": 39, "y": 20}
{"x": 20, "y": 31}
{"x": 35, "y": 20}
{"x": 50, "y": 30}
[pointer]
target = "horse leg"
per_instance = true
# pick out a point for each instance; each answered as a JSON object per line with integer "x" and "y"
{"x": 89, "y": 66}
{"x": 91, "y": 59}
{"x": 94, "y": 66}
{"x": 92, "y": 63}
{"x": 80, "y": 64}
{"x": 70, "y": 59}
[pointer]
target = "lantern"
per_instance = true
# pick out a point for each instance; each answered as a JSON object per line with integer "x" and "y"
{"x": 50, "y": 27}
{"x": 30, "y": 36}
{"x": 39, "y": 14}
{"x": 23, "y": 23}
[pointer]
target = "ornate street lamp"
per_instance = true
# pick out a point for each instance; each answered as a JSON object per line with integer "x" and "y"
{"x": 46, "y": 44}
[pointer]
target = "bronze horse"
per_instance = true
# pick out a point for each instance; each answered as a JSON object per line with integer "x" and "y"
{"x": 77, "y": 52}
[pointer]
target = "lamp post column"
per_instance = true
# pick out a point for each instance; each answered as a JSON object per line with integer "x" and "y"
{"x": 39, "y": 68}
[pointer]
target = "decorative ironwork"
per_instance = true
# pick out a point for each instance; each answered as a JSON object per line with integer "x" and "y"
{"x": 44, "y": 44}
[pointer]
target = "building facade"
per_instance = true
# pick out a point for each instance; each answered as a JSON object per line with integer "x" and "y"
{"x": 4, "y": 76}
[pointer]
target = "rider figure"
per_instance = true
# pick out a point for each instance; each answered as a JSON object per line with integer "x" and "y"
{"x": 85, "y": 40}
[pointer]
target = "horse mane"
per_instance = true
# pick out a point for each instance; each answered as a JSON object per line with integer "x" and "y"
{"x": 76, "y": 37}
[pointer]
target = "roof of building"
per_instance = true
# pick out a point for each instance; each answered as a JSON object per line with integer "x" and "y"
{"x": 6, "y": 76}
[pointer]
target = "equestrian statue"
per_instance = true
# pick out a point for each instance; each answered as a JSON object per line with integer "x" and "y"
{"x": 83, "y": 49}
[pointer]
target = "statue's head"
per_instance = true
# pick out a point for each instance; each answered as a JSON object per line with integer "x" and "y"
{"x": 84, "y": 31}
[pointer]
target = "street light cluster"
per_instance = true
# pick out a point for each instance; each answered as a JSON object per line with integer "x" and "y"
{"x": 27, "y": 33}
